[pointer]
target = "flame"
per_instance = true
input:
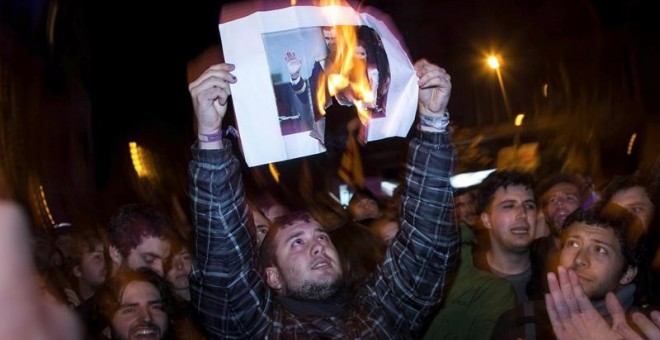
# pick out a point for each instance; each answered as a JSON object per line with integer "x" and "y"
{"x": 345, "y": 74}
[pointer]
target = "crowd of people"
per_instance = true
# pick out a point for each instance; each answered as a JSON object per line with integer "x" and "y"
{"x": 512, "y": 257}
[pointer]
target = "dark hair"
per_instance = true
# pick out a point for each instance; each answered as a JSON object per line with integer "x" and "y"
{"x": 268, "y": 246}
{"x": 84, "y": 241}
{"x": 626, "y": 226}
{"x": 501, "y": 179}
{"x": 178, "y": 243}
{"x": 357, "y": 197}
{"x": 360, "y": 250}
{"x": 471, "y": 190}
{"x": 135, "y": 221}
{"x": 626, "y": 182}
{"x": 369, "y": 39}
{"x": 548, "y": 182}
{"x": 110, "y": 293}
{"x": 363, "y": 193}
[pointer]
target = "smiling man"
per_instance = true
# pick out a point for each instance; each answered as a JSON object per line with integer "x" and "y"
{"x": 136, "y": 305}
{"x": 600, "y": 247}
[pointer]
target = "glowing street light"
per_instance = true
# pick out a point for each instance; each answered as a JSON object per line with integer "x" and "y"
{"x": 494, "y": 63}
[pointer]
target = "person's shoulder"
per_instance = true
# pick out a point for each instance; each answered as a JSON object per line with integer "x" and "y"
{"x": 479, "y": 258}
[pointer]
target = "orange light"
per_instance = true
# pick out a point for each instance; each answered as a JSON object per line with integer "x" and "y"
{"x": 519, "y": 119}
{"x": 273, "y": 172}
{"x": 493, "y": 62}
{"x": 345, "y": 74}
{"x": 631, "y": 143}
{"x": 137, "y": 158}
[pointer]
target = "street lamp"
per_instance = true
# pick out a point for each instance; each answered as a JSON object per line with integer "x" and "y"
{"x": 494, "y": 63}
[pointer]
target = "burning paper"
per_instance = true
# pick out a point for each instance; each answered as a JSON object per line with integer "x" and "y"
{"x": 292, "y": 63}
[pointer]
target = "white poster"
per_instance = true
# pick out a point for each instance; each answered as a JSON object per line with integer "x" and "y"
{"x": 279, "y": 55}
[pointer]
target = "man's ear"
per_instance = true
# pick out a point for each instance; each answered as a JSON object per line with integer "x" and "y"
{"x": 76, "y": 271}
{"x": 628, "y": 276}
{"x": 273, "y": 278}
{"x": 485, "y": 220}
{"x": 115, "y": 255}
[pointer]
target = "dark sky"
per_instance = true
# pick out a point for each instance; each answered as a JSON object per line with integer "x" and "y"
{"x": 132, "y": 58}
{"x": 140, "y": 53}
{"x": 131, "y": 40}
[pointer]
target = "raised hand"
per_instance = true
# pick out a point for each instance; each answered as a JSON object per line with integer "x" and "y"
{"x": 210, "y": 93}
{"x": 434, "y": 88}
{"x": 650, "y": 328}
{"x": 574, "y": 317}
{"x": 293, "y": 64}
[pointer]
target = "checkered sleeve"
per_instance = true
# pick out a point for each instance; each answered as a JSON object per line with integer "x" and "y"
{"x": 410, "y": 281}
{"x": 231, "y": 299}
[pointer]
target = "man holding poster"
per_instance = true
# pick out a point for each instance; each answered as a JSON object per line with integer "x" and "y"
{"x": 294, "y": 288}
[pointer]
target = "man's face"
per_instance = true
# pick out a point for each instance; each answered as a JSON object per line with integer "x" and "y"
{"x": 308, "y": 266}
{"x": 511, "y": 219}
{"x": 465, "y": 209}
{"x": 330, "y": 37}
{"x": 364, "y": 208}
{"x": 560, "y": 201}
{"x": 594, "y": 253}
{"x": 262, "y": 225}
{"x": 140, "y": 314}
{"x": 178, "y": 273}
{"x": 637, "y": 201}
{"x": 93, "y": 267}
{"x": 151, "y": 253}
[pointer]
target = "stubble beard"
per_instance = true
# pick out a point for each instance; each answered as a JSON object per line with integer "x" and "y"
{"x": 317, "y": 291}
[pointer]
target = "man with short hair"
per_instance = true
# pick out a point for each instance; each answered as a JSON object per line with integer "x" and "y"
{"x": 559, "y": 195}
{"x": 136, "y": 304}
{"x": 634, "y": 193}
{"x": 465, "y": 206}
{"x": 508, "y": 211}
{"x": 363, "y": 207}
{"x": 139, "y": 236}
{"x": 638, "y": 194}
{"x": 301, "y": 293}
{"x": 598, "y": 245}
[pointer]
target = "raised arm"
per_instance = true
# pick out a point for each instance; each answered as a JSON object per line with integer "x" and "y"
{"x": 226, "y": 289}
{"x": 410, "y": 281}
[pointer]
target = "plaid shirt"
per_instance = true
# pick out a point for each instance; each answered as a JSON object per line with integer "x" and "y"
{"x": 233, "y": 300}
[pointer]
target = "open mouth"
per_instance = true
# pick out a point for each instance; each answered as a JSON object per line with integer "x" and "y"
{"x": 321, "y": 265}
{"x": 520, "y": 230}
{"x": 145, "y": 332}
